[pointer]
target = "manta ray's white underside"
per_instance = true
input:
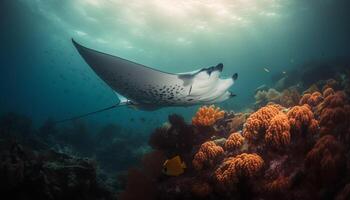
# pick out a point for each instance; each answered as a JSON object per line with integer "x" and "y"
{"x": 149, "y": 88}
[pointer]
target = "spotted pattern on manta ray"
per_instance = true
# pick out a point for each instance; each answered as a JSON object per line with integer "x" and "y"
{"x": 147, "y": 87}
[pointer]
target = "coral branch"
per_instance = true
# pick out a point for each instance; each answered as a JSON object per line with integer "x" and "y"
{"x": 326, "y": 160}
{"x": 278, "y": 135}
{"x": 234, "y": 141}
{"x": 258, "y": 122}
{"x": 302, "y": 120}
{"x": 208, "y": 153}
{"x": 242, "y": 166}
{"x": 207, "y": 116}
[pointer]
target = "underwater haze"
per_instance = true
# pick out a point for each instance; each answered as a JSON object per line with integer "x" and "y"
{"x": 42, "y": 74}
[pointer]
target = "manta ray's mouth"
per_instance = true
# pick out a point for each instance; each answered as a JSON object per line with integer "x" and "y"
{"x": 209, "y": 70}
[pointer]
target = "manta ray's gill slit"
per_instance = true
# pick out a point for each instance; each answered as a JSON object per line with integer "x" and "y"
{"x": 190, "y": 90}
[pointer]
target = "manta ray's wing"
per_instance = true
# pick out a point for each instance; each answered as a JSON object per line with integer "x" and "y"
{"x": 146, "y": 86}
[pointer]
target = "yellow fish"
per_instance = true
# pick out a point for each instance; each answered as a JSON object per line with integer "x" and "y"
{"x": 174, "y": 166}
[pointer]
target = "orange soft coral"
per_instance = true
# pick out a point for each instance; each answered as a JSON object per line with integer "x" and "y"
{"x": 226, "y": 175}
{"x": 326, "y": 160}
{"x": 207, "y": 116}
{"x": 242, "y": 166}
{"x": 311, "y": 99}
{"x": 304, "y": 99}
{"x": 248, "y": 165}
{"x": 277, "y": 134}
{"x": 327, "y": 92}
{"x": 315, "y": 99}
{"x": 258, "y": 122}
{"x": 208, "y": 153}
{"x": 338, "y": 99}
{"x": 333, "y": 112}
{"x": 330, "y": 118}
{"x": 302, "y": 120}
{"x": 234, "y": 141}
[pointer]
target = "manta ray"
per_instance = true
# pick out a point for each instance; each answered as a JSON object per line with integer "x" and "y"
{"x": 147, "y": 88}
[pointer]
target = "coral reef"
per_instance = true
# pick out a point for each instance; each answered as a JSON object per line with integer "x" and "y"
{"x": 326, "y": 161}
{"x": 175, "y": 137}
{"x": 278, "y": 135}
{"x": 313, "y": 99}
{"x": 258, "y": 122}
{"x": 207, "y": 155}
{"x": 234, "y": 141}
{"x": 284, "y": 147}
{"x": 226, "y": 175}
{"x": 29, "y": 174}
{"x": 242, "y": 166}
{"x": 302, "y": 120}
{"x": 263, "y": 97}
{"x": 207, "y": 116}
{"x": 327, "y": 92}
{"x": 287, "y": 98}
{"x": 304, "y": 99}
{"x": 47, "y": 163}
{"x": 248, "y": 165}
{"x": 334, "y": 113}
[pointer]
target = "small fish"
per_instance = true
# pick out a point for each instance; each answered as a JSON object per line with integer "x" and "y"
{"x": 266, "y": 70}
{"x": 284, "y": 72}
{"x": 174, "y": 166}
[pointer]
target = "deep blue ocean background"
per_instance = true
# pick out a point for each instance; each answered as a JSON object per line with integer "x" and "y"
{"x": 42, "y": 75}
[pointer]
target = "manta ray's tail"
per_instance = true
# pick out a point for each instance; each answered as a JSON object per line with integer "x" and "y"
{"x": 90, "y": 113}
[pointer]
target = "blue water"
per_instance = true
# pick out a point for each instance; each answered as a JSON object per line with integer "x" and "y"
{"x": 42, "y": 75}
